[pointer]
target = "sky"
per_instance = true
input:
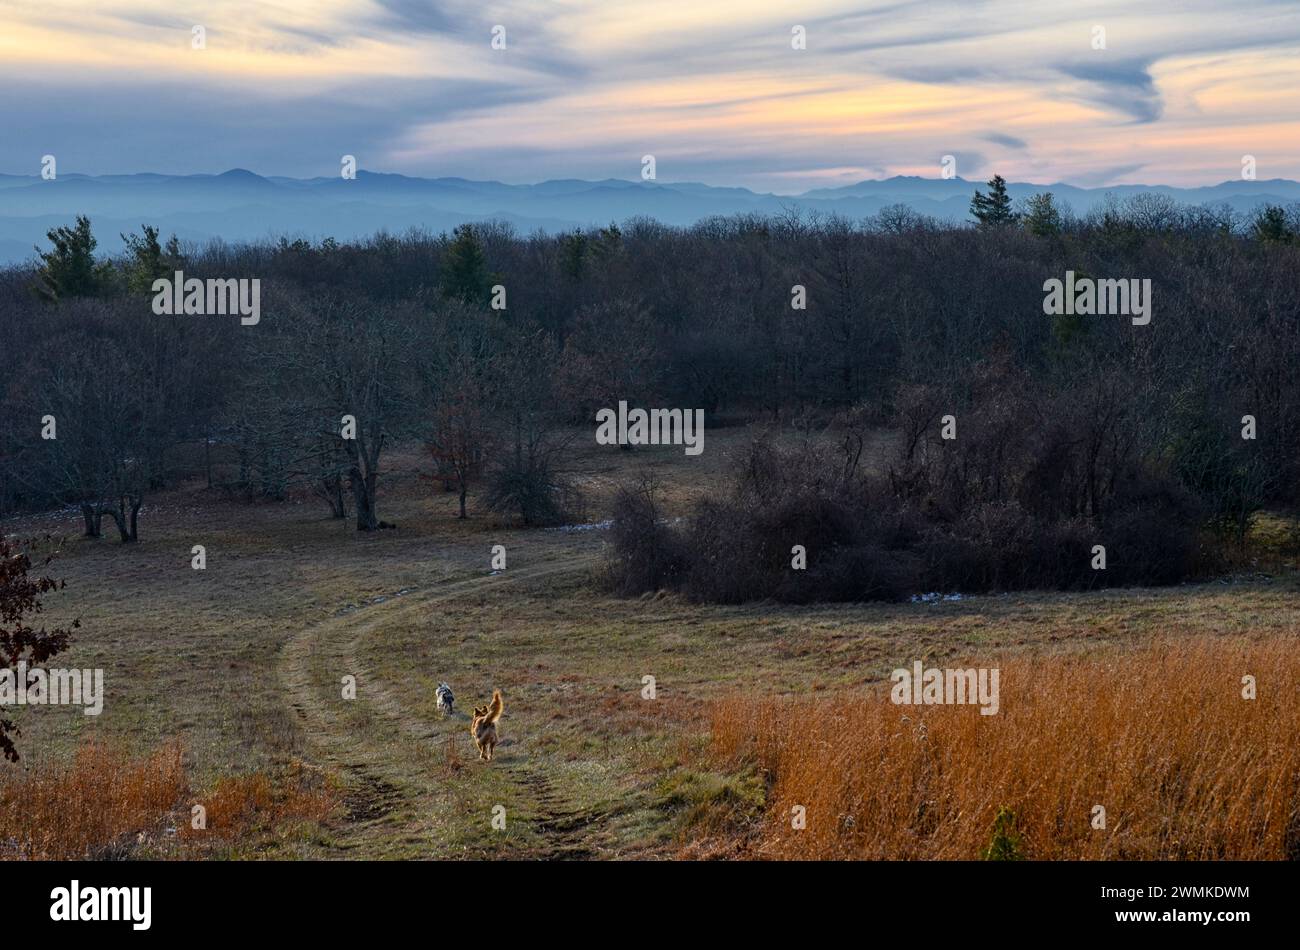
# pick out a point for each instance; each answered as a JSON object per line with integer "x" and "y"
{"x": 713, "y": 89}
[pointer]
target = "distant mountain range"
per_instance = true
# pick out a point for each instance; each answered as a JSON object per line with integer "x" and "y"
{"x": 239, "y": 205}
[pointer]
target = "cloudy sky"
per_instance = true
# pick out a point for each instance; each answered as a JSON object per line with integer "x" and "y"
{"x": 712, "y": 88}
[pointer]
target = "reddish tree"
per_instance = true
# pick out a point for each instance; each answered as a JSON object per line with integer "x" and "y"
{"x": 20, "y": 597}
{"x": 461, "y": 433}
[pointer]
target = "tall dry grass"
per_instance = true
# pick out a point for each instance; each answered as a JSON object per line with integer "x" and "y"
{"x": 1185, "y": 767}
{"x": 106, "y": 805}
{"x": 95, "y": 808}
{"x": 238, "y": 807}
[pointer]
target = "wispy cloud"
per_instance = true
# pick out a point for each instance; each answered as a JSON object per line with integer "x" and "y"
{"x": 1181, "y": 89}
{"x": 1125, "y": 86}
{"x": 1007, "y": 141}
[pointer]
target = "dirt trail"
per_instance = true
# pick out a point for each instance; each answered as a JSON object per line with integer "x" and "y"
{"x": 382, "y": 749}
{"x": 564, "y": 828}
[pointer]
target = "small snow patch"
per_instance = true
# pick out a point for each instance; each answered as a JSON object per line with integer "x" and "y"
{"x": 592, "y": 526}
{"x": 934, "y": 597}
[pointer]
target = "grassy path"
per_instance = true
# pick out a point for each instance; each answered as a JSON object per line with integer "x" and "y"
{"x": 408, "y": 776}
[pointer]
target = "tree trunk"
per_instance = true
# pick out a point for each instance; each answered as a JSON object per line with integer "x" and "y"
{"x": 519, "y": 442}
{"x": 92, "y": 516}
{"x": 363, "y": 493}
{"x": 158, "y": 476}
{"x": 333, "y": 492}
{"x": 463, "y": 492}
{"x": 118, "y": 515}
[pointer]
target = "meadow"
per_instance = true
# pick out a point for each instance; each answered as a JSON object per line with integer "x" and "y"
{"x": 225, "y": 688}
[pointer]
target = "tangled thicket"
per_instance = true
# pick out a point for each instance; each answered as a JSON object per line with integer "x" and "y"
{"x": 1032, "y": 481}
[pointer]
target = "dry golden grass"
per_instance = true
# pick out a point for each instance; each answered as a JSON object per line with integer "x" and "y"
{"x": 239, "y": 805}
{"x": 97, "y": 807}
{"x": 1161, "y": 736}
{"x": 106, "y": 805}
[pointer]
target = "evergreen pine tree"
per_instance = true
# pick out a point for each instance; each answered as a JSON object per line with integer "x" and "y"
{"x": 1270, "y": 226}
{"x": 69, "y": 269}
{"x": 993, "y": 209}
{"x": 464, "y": 268}
{"x": 145, "y": 263}
{"x": 1042, "y": 216}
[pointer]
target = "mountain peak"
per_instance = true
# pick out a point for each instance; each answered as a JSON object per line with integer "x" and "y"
{"x": 240, "y": 174}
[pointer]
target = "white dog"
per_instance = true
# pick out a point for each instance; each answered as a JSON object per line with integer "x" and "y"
{"x": 446, "y": 701}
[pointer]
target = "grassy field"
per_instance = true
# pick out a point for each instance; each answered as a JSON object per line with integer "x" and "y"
{"x": 1150, "y": 752}
{"x": 244, "y": 664}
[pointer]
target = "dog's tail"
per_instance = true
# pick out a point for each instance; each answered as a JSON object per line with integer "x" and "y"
{"x": 494, "y": 711}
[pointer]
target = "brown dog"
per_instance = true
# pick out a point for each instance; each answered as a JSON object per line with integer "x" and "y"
{"x": 484, "y": 726}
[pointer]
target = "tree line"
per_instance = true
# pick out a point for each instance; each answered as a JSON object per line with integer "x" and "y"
{"x": 484, "y": 345}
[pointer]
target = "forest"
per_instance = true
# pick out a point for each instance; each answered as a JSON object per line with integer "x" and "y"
{"x": 1022, "y": 437}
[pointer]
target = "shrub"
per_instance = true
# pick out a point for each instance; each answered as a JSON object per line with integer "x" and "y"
{"x": 526, "y": 485}
{"x": 1016, "y": 502}
{"x": 648, "y": 555}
